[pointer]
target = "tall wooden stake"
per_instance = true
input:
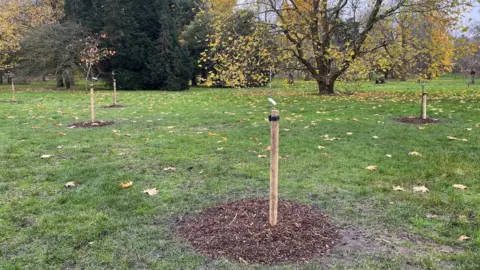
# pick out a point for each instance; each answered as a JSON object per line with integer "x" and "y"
{"x": 424, "y": 103}
{"x": 92, "y": 102}
{"x": 274, "y": 167}
{"x": 14, "y": 98}
{"x": 115, "y": 92}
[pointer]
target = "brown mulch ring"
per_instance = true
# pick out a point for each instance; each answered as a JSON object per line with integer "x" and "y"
{"x": 91, "y": 124}
{"x": 240, "y": 231}
{"x": 113, "y": 106}
{"x": 416, "y": 120}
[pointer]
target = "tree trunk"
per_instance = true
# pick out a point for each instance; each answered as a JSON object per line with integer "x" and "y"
{"x": 194, "y": 80}
{"x": 1, "y": 76}
{"x": 473, "y": 79}
{"x": 92, "y": 102}
{"x": 291, "y": 79}
{"x": 60, "y": 81}
{"x": 44, "y": 78}
{"x": 326, "y": 87}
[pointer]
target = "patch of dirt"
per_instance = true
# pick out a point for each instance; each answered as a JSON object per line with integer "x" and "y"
{"x": 113, "y": 106}
{"x": 416, "y": 120}
{"x": 91, "y": 124}
{"x": 240, "y": 231}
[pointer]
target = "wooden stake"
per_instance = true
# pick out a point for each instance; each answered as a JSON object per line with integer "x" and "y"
{"x": 14, "y": 98}
{"x": 92, "y": 102}
{"x": 114, "y": 92}
{"x": 274, "y": 168}
{"x": 424, "y": 103}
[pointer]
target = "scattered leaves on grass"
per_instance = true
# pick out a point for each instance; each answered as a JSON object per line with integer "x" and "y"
{"x": 46, "y": 156}
{"x": 126, "y": 185}
{"x": 422, "y": 189}
{"x": 371, "y": 168}
{"x": 397, "y": 188}
{"x": 460, "y": 186}
{"x": 70, "y": 184}
{"x": 430, "y": 216}
{"x": 170, "y": 169}
{"x": 463, "y": 238}
{"x": 151, "y": 192}
{"x": 268, "y": 148}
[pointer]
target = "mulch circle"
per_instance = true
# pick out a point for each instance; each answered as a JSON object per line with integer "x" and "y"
{"x": 91, "y": 124}
{"x": 416, "y": 120}
{"x": 240, "y": 231}
{"x": 113, "y": 106}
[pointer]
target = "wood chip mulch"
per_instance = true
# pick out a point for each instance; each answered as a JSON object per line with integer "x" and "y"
{"x": 91, "y": 124}
{"x": 240, "y": 231}
{"x": 416, "y": 120}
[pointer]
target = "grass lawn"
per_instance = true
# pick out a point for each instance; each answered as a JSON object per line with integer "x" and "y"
{"x": 213, "y": 138}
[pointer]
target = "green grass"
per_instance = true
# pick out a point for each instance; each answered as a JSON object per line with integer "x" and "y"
{"x": 98, "y": 225}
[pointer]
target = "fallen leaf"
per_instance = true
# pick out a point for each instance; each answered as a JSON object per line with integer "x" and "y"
{"x": 414, "y": 153}
{"x": 170, "y": 127}
{"x": 170, "y": 169}
{"x": 388, "y": 155}
{"x": 452, "y": 138}
{"x": 126, "y": 185}
{"x": 212, "y": 134}
{"x": 321, "y": 147}
{"x": 145, "y": 139}
{"x": 422, "y": 189}
{"x": 268, "y": 148}
{"x": 220, "y": 149}
{"x": 262, "y": 156}
{"x": 151, "y": 192}
{"x": 398, "y": 188}
{"x": 62, "y": 134}
{"x": 70, "y": 184}
{"x": 460, "y": 186}
{"x": 463, "y": 238}
{"x": 349, "y": 133}
{"x": 60, "y": 147}
{"x": 46, "y": 156}
{"x": 430, "y": 216}
{"x": 371, "y": 168}
{"x": 421, "y": 127}
{"x": 468, "y": 129}
{"x": 35, "y": 127}
{"x": 375, "y": 137}
{"x": 464, "y": 140}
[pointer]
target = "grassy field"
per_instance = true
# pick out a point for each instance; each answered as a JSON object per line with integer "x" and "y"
{"x": 213, "y": 138}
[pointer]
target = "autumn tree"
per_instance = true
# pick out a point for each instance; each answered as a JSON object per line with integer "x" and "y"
{"x": 19, "y": 17}
{"x": 318, "y": 25}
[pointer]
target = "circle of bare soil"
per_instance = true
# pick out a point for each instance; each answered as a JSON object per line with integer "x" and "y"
{"x": 91, "y": 124}
{"x": 240, "y": 231}
{"x": 113, "y": 106}
{"x": 416, "y": 120}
